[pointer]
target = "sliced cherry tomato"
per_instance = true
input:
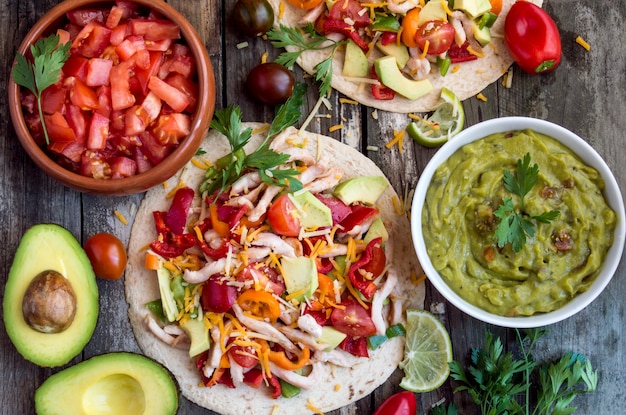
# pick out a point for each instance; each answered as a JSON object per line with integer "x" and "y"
{"x": 435, "y": 35}
{"x": 283, "y": 216}
{"x": 358, "y": 215}
{"x": 107, "y": 255}
{"x": 352, "y": 319}
{"x": 350, "y": 10}
{"x": 245, "y": 356}
{"x": 402, "y": 403}
{"x": 532, "y": 38}
{"x": 305, "y": 4}
{"x": 217, "y": 295}
{"x": 268, "y": 278}
{"x": 410, "y": 26}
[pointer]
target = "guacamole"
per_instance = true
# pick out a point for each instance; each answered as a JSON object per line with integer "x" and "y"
{"x": 559, "y": 261}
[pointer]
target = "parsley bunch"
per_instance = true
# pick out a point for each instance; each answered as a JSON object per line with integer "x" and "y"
{"x": 495, "y": 378}
{"x": 289, "y": 36}
{"x": 48, "y": 60}
{"x": 515, "y": 225}
{"x": 263, "y": 160}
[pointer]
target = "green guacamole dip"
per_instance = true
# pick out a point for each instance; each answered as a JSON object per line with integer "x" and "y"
{"x": 559, "y": 261}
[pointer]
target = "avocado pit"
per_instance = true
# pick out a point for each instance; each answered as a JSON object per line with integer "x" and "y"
{"x": 49, "y": 303}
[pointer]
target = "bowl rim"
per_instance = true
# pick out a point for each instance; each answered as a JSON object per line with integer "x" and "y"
{"x": 159, "y": 173}
{"x": 579, "y": 146}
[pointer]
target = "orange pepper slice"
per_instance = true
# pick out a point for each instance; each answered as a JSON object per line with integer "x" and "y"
{"x": 220, "y": 227}
{"x": 280, "y": 359}
{"x": 260, "y": 304}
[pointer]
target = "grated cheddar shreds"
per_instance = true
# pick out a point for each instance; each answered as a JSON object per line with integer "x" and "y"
{"x": 120, "y": 217}
{"x": 582, "y": 42}
{"x": 481, "y": 97}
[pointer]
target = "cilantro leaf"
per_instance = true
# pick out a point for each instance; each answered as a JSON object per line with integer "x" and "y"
{"x": 514, "y": 225}
{"x": 48, "y": 59}
{"x": 287, "y": 36}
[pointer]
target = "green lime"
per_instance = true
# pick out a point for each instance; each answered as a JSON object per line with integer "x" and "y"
{"x": 446, "y": 121}
{"x": 427, "y": 352}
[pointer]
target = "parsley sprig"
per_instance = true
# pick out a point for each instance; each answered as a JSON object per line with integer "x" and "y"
{"x": 43, "y": 71}
{"x": 514, "y": 224}
{"x": 263, "y": 160}
{"x": 495, "y": 377}
{"x": 305, "y": 39}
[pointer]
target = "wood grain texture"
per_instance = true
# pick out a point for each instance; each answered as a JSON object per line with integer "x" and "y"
{"x": 586, "y": 95}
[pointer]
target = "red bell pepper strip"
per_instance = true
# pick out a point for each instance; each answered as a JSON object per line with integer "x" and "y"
{"x": 254, "y": 377}
{"x": 170, "y": 244}
{"x": 365, "y": 287}
{"x": 176, "y": 217}
{"x": 339, "y": 26}
{"x": 359, "y": 215}
{"x": 356, "y": 346}
{"x": 460, "y": 54}
{"x": 213, "y": 253}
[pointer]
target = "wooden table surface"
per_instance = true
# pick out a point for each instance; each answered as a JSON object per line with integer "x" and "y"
{"x": 586, "y": 95}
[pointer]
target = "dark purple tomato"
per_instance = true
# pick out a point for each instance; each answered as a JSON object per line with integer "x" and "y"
{"x": 217, "y": 295}
{"x": 270, "y": 83}
{"x": 253, "y": 17}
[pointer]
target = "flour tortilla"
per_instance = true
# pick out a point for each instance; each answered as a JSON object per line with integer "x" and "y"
{"x": 354, "y": 383}
{"x": 468, "y": 81}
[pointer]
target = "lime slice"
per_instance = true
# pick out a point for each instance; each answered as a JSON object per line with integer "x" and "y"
{"x": 446, "y": 121}
{"x": 427, "y": 352}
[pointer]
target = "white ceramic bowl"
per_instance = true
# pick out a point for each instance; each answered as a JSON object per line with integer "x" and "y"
{"x": 587, "y": 154}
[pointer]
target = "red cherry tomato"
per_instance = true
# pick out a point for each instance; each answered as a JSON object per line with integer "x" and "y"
{"x": 245, "y": 356}
{"x": 402, "y": 403}
{"x": 532, "y": 38}
{"x": 107, "y": 255}
{"x": 438, "y": 34}
{"x": 353, "y": 319}
{"x": 282, "y": 215}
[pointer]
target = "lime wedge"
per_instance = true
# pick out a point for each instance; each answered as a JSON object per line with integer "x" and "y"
{"x": 446, "y": 121}
{"x": 427, "y": 352}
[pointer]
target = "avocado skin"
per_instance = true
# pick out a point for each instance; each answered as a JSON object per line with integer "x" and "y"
{"x": 50, "y": 247}
{"x": 129, "y": 384}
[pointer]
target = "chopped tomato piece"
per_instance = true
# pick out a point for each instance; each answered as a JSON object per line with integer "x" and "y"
{"x": 174, "y": 97}
{"x": 53, "y": 99}
{"x": 155, "y": 30}
{"x": 77, "y": 121}
{"x": 186, "y": 85}
{"x": 115, "y": 17}
{"x": 64, "y": 36}
{"x": 98, "y": 72}
{"x": 94, "y": 165}
{"x": 92, "y": 40}
{"x": 76, "y": 66}
{"x": 98, "y": 132}
{"x": 104, "y": 101}
{"x": 123, "y": 167}
{"x": 152, "y": 149}
{"x": 58, "y": 128}
{"x": 171, "y": 128}
{"x": 118, "y": 34}
{"x": 356, "y": 346}
{"x": 71, "y": 150}
{"x": 82, "y": 17}
{"x": 143, "y": 75}
{"x": 121, "y": 97}
{"x": 82, "y": 95}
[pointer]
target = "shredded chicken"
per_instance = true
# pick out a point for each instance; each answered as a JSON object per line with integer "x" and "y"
{"x": 456, "y": 20}
{"x": 339, "y": 357}
{"x": 180, "y": 342}
{"x": 418, "y": 68}
{"x": 401, "y": 6}
{"x": 313, "y": 14}
{"x": 264, "y": 203}
{"x": 265, "y": 328}
{"x": 277, "y": 244}
{"x": 215, "y": 353}
{"x": 301, "y": 381}
{"x": 247, "y": 199}
{"x": 245, "y": 183}
{"x": 236, "y": 371}
{"x": 281, "y": 144}
{"x": 203, "y": 274}
{"x": 308, "y": 323}
{"x": 329, "y": 180}
{"x": 383, "y": 292}
{"x": 301, "y": 337}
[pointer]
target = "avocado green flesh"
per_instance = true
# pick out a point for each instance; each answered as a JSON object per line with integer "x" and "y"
{"x": 538, "y": 278}
{"x": 50, "y": 247}
{"x": 111, "y": 384}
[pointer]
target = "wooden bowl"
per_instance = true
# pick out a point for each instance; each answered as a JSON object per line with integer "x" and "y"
{"x": 200, "y": 120}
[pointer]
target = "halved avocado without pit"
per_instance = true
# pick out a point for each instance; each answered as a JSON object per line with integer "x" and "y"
{"x": 118, "y": 383}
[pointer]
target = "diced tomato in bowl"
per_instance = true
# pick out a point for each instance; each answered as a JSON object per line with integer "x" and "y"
{"x": 133, "y": 101}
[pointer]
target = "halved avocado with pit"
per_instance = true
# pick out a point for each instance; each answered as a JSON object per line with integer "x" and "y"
{"x": 110, "y": 384}
{"x": 50, "y": 303}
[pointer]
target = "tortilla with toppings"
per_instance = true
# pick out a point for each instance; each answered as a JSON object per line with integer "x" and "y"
{"x": 329, "y": 385}
{"x": 466, "y": 78}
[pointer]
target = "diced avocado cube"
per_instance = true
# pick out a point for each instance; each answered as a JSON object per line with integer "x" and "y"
{"x": 433, "y": 10}
{"x": 198, "y": 334}
{"x": 331, "y": 337}
{"x": 473, "y": 8}
{"x": 389, "y": 74}
{"x": 365, "y": 189}
{"x": 167, "y": 297}
{"x": 313, "y": 212}
{"x": 300, "y": 274}
{"x": 377, "y": 230}
{"x": 355, "y": 62}
{"x": 398, "y": 51}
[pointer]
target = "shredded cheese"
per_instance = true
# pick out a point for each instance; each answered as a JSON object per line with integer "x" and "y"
{"x": 281, "y": 10}
{"x": 264, "y": 57}
{"x": 311, "y": 407}
{"x": 474, "y": 52}
{"x": 444, "y": 4}
{"x": 242, "y": 45}
{"x": 120, "y": 217}
{"x": 583, "y": 43}
{"x": 398, "y": 138}
{"x": 425, "y": 51}
{"x": 481, "y": 97}
{"x": 347, "y": 101}
{"x": 335, "y": 128}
